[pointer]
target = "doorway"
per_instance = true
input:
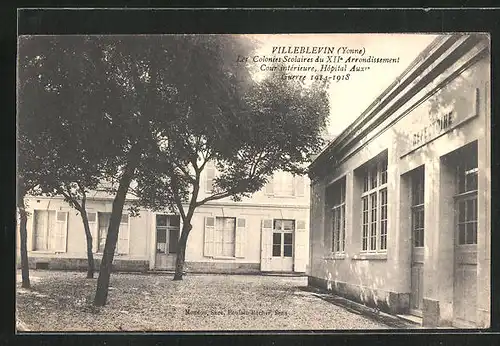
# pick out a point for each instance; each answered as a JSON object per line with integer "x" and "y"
{"x": 465, "y": 236}
{"x": 282, "y": 245}
{"x": 417, "y": 178}
{"x": 167, "y": 236}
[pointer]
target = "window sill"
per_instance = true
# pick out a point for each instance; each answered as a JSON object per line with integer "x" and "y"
{"x": 222, "y": 258}
{"x": 370, "y": 256}
{"x": 336, "y": 256}
{"x": 46, "y": 252}
{"x": 281, "y": 196}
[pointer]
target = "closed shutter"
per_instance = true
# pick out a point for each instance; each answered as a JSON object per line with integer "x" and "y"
{"x": 60, "y": 231}
{"x": 31, "y": 231}
{"x": 266, "y": 245}
{"x": 299, "y": 186}
{"x": 240, "y": 241}
{"x": 123, "y": 235}
{"x": 92, "y": 218}
{"x": 210, "y": 179}
{"x": 208, "y": 248}
{"x": 301, "y": 241}
{"x": 40, "y": 226}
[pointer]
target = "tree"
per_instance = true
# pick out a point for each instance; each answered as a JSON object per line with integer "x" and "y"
{"x": 158, "y": 78}
{"x": 276, "y": 125}
{"x": 57, "y": 84}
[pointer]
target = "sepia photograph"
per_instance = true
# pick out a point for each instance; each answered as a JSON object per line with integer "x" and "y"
{"x": 253, "y": 182}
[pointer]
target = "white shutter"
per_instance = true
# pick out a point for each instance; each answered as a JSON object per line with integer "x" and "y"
{"x": 208, "y": 248}
{"x": 39, "y": 230}
{"x": 123, "y": 235}
{"x": 240, "y": 239}
{"x": 92, "y": 218}
{"x": 210, "y": 179}
{"x": 299, "y": 186}
{"x": 30, "y": 241}
{"x": 301, "y": 255}
{"x": 60, "y": 231}
{"x": 266, "y": 245}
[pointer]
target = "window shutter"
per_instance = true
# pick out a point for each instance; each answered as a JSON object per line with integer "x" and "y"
{"x": 30, "y": 242}
{"x": 301, "y": 247}
{"x": 60, "y": 234}
{"x": 210, "y": 179}
{"x": 299, "y": 186}
{"x": 123, "y": 235}
{"x": 208, "y": 249}
{"x": 39, "y": 230}
{"x": 266, "y": 244}
{"x": 240, "y": 239}
{"x": 92, "y": 217}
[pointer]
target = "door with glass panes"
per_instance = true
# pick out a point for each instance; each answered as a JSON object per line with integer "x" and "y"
{"x": 417, "y": 240}
{"x": 167, "y": 236}
{"x": 466, "y": 217}
{"x": 282, "y": 245}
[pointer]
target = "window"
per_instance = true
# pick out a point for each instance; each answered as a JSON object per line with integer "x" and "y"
{"x": 44, "y": 225}
{"x": 225, "y": 236}
{"x": 210, "y": 175}
{"x": 283, "y": 238}
{"x": 284, "y": 184}
{"x": 466, "y": 196}
{"x": 167, "y": 233}
{"x": 336, "y": 196}
{"x": 103, "y": 230}
{"x": 417, "y": 207}
{"x": 374, "y": 206}
{"x": 49, "y": 230}
{"x": 103, "y": 220}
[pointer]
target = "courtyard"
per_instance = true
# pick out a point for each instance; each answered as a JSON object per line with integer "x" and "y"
{"x": 61, "y": 301}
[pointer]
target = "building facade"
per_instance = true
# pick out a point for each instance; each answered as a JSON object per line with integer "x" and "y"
{"x": 267, "y": 232}
{"x": 400, "y": 201}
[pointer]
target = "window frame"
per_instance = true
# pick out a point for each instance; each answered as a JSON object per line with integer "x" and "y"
{"x": 464, "y": 196}
{"x": 46, "y": 235}
{"x": 338, "y": 217}
{"x": 166, "y": 228}
{"x": 48, "y": 232}
{"x": 217, "y": 232}
{"x": 375, "y": 240}
{"x": 417, "y": 206}
{"x": 98, "y": 226}
{"x": 282, "y": 231}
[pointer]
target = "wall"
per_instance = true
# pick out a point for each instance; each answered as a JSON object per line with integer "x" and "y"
{"x": 139, "y": 237}
{"x": 253, "y": 216}
{"x": 142, "y": 247}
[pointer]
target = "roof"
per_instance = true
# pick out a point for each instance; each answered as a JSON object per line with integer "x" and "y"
{"x": 377, "y": 110}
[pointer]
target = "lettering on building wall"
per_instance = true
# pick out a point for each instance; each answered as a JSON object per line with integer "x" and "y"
{"x": 438, "y": 126}
{"x": 442, "y": 124}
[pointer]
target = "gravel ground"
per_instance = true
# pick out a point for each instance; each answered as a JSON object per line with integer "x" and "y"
{"x": 61, "y": 301}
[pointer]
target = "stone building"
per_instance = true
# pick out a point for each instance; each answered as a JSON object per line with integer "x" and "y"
{"x": 400, "y": 201}
{"x": 267, "y": 232}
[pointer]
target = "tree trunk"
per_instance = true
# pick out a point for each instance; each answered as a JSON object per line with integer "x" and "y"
{"x": 25, "y": 271}
{"x": 101, "y": 294}
{"x": 88, "y": 236}
{"x": 181, "y": 250}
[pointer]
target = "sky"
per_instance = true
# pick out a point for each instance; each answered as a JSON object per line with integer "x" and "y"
{"x": 348, "y": 99}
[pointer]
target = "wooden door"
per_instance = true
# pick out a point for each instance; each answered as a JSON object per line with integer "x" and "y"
{"x": 417, "y": 240}
{"x": 465, "y": 278}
